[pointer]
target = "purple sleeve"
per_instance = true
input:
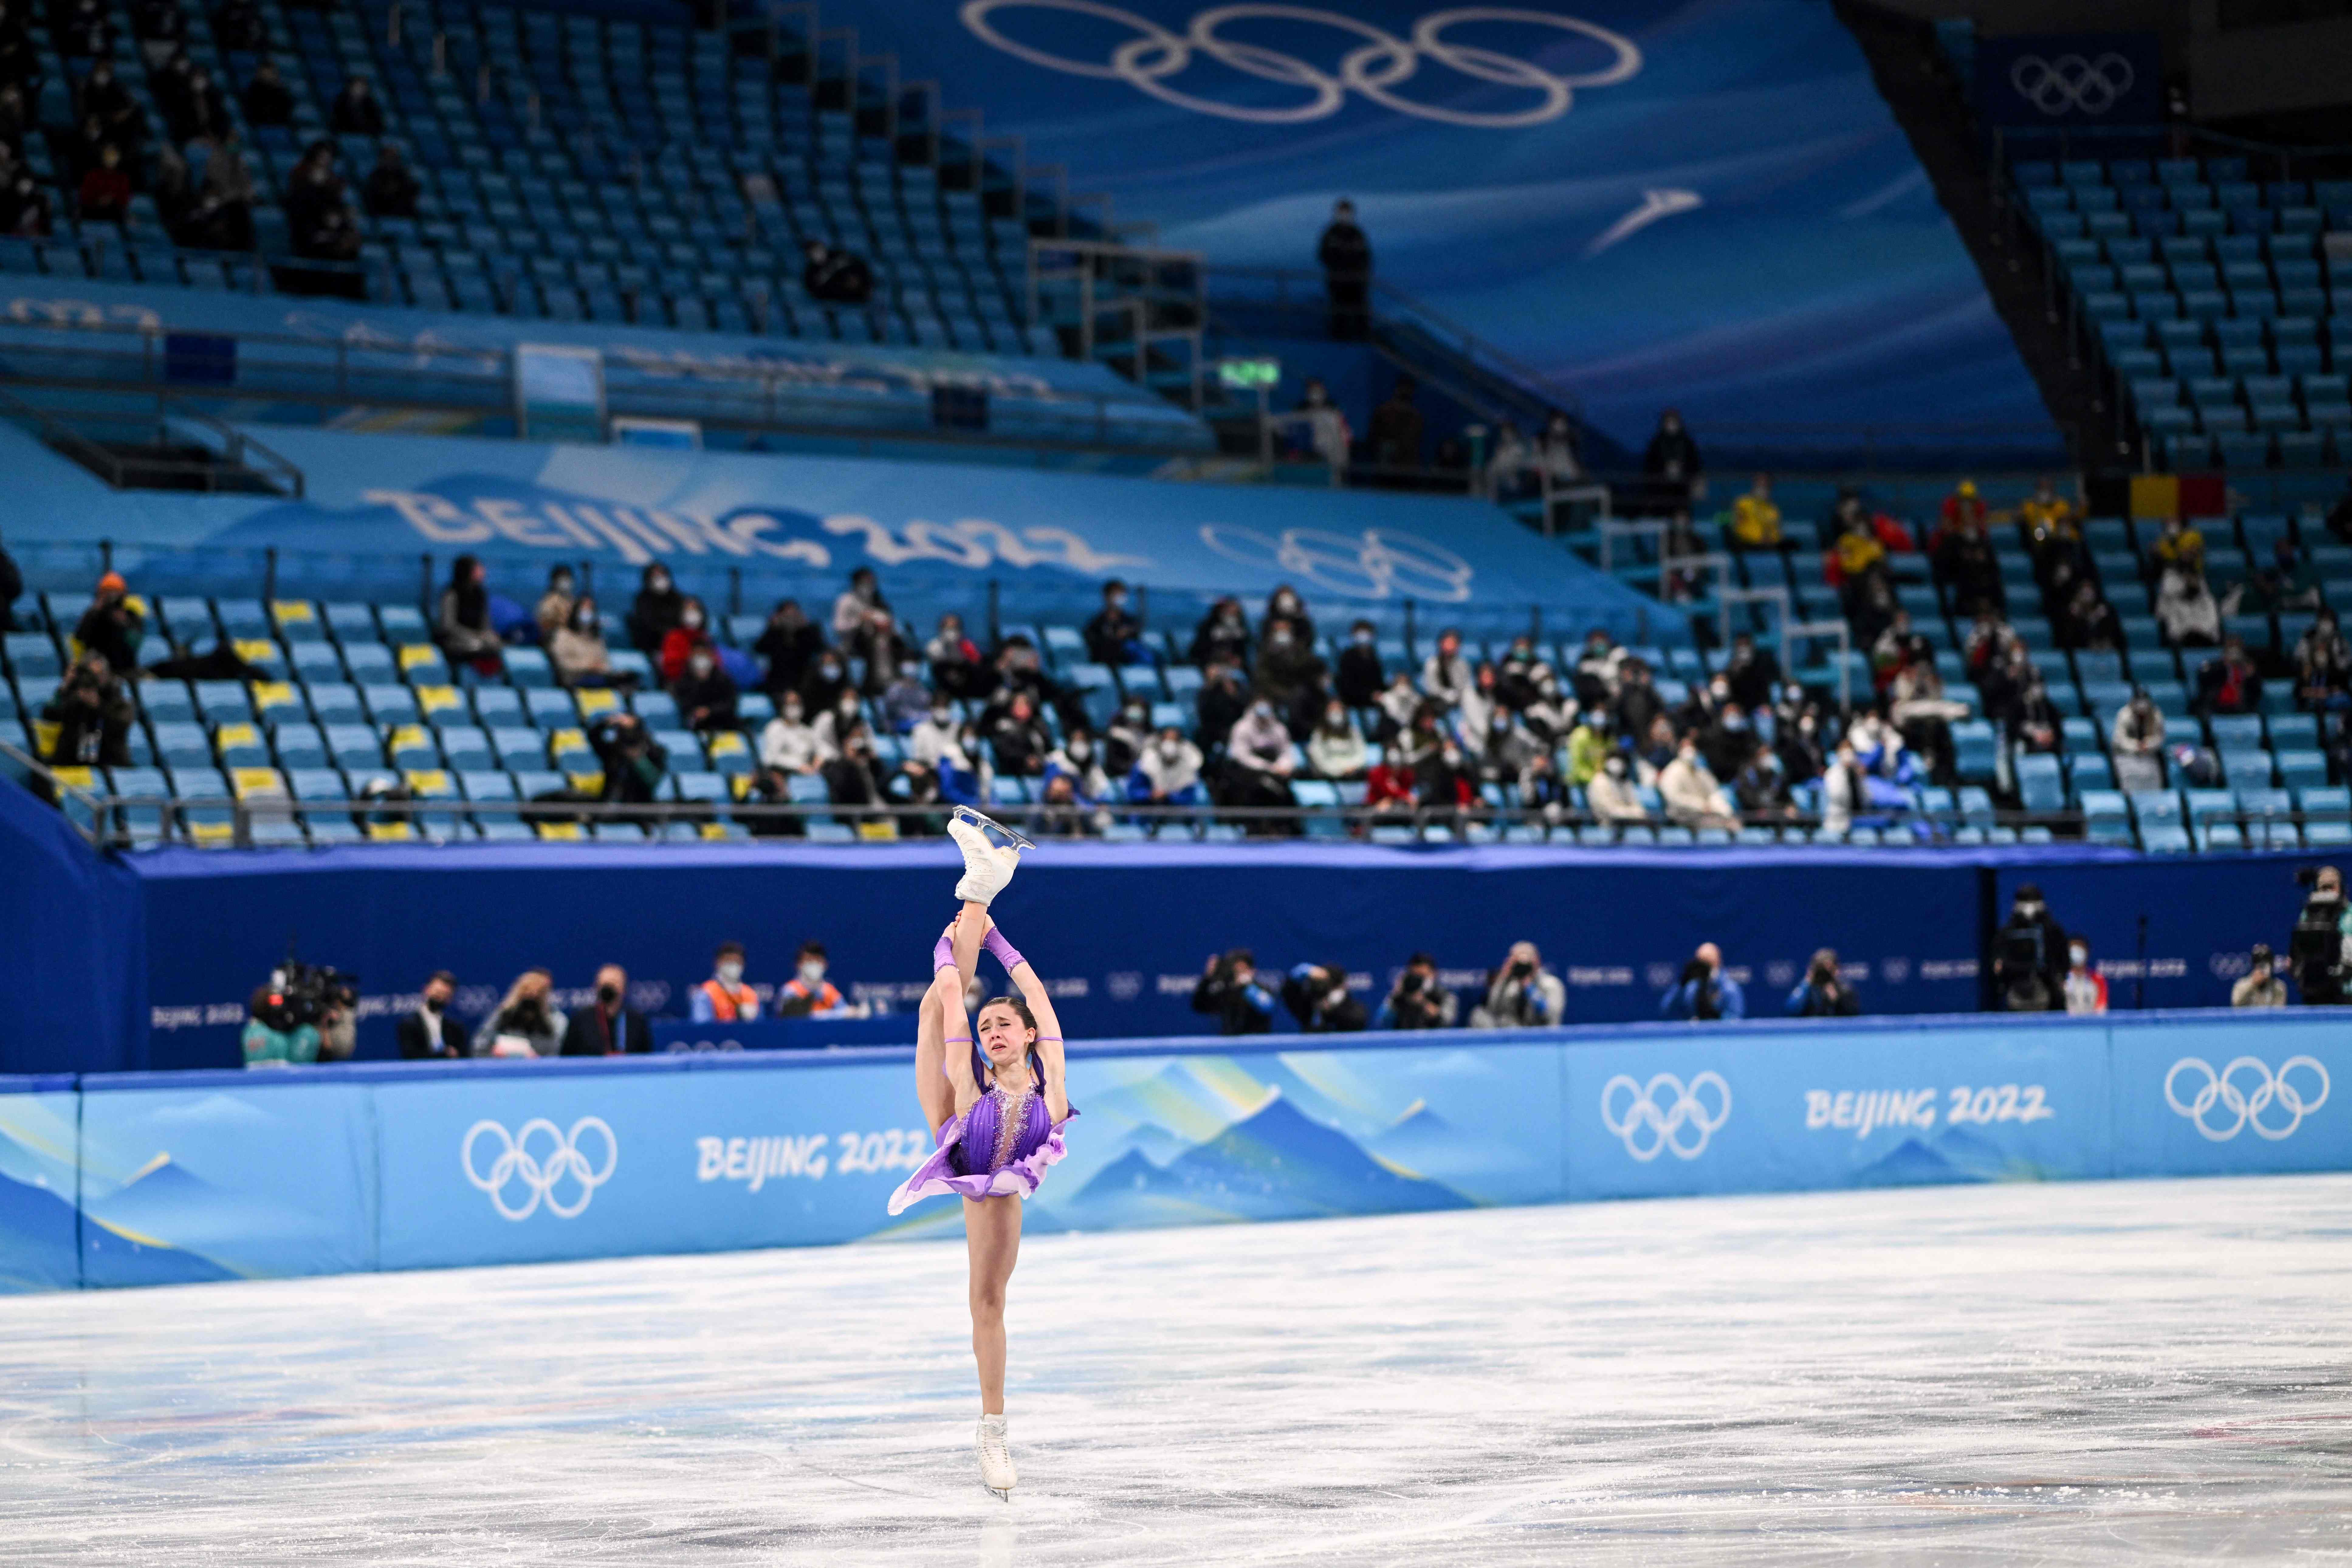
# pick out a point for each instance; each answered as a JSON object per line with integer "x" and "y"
{"x": 943, "y": 956}
{"x": 1004, "y": 952}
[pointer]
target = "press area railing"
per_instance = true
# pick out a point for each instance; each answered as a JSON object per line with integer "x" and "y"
{"x": 166, "y": 450}
{"x": 110, "y": 821}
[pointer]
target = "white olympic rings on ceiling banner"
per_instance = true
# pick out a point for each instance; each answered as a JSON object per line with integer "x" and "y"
{"x": 541, "y": 1175}
{"x": 1383, "y": 61}
{"x": 1378, "y": 564}
{"x": 1680, "y": 1118}
{"x": 2071, "y": 81}
{"x": 2244, "y": 1090}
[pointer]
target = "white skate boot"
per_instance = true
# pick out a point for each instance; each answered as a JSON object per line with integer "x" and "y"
{"x": 996, "y": 1471}
{"x": 986, "y": 868}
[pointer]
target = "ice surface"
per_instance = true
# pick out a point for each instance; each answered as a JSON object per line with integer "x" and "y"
{"x": 2141, "y": 1372}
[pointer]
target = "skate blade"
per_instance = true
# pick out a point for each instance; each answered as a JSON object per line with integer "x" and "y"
{"x": 980, "y": 819}
{"x": 1002, "y": 1494}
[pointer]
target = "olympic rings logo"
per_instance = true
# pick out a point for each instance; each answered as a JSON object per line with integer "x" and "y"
{"x": 1680, "y": 1120}
{"x": 2244, "y": 1091}
{"x": 1147, "y": 60}
{"x": 541, "y": 1173}
{"x": 1380, "y": 564}
{"x": 2071, "y": 81}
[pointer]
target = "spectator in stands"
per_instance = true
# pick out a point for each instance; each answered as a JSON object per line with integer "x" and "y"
{"x": 705, "y": 694}
{"x": 1168, "y": 773}
{"x": 1395, "y": 432}
{"x": 692, "y": 632}
{"x": 1756, "y": 520}
{"x": 102, "y": 96}
{"x": 789, "y": 642}
{"x": 11, "y": 587}
{"x": 554, "y": 606}
{"x": 2283, "y": 586}
{"x": 1061, "y": 812}
{"x": 93, "y": 714}
{"x": 836, "y": 277}
{"x": 1124, "y": 740}
{"x": 527, "y": 1023}
{"x": 1612, "y": 795}
{"x": 854, "y": 775}
{"x": 1019, "y": 739}
{"x": 1588, "y": 746}
{"x": 608, "y": 1027}
{"x": 1821, "y": 994}
{"x": 1964, "y": 511}
{"x": 272, "y": 1038}
{"x": 934, "y": 734}
{"x": 1290, "y": 675}
{"x": 81, "y": 30}
{"x": 203, "y": 111}
{"x": 267, "y": 99}
{"x": 822, "y": 686}
{"x": 2136, "y": 740}
{"x": 724, "y": 998}
{"x": 2084, "y": 989}
{"x": 25, "y": 210}
{"x": 1521, "y": 993}
{"x": 1346, "y": 256}
{"x": 808, "y": 994}
{"x": 1922, "y": 713}
{"x": 1753, "y": 674}
{"x": 633, "y": 761}
{"x": 1797, "y": 740}
{"x": 2178, "y": 543}
{"x": 1846, "y": 789}
{"x": 1391, "y": 788}
{"x": 1693, "y": 796}
{"x": 112, "y": 624}
{"x": 1220, "y": 706}
{"x": 16, "y": 115}
{"x": 789, "y": 743}
{"x": 1761, "y": 789}
{"x": 1257, "y": 756}
{"x": 2229, "y": 683}
{"x": 461, "y": 623}
{"x": 2322, "y": 660}
{"x": 1638, "y": 707}
{"x": 1285, "y": 605}
{"x": 2260, "y": 986}
{"x": 1446, "y": 676}
{"x": 832, "y": 726}
{"x": 221, "y": 215}
{"x": 957, "y": 668}
{"x": 1222, "y": 636}
{"x": 1964, "y": 558}
{"x": 1080, "y": 759}
{"x": 2088, "y": 622}
{"x": 238, "y": 25}
{"x": 355, "y": 111}
{"x": 1230, "y": 992}
{"x": 577, "y": 650}
{"x": 856, "y": 604}
{"x": 1337, "y": 750}
{"x": 883, "y": 649}
{"x": 2035, "y": 722}
{"x": 430, "y": 1032}
{"x": 1328, "y": 436}
{"x": 1675, "y": 470}
{"x": 20, "y": 62}
{"x": 1705, "y": 991}
{"x": 1418, "y": 1001}
{"x": 335, "y": 237}
{"x": 2029, "y": 954}
{"x": 905, "y": 701}
{"x": 1115, "y": 636}
{"x": 657, "y": 610}
{"x": 1359, "y": 677}
{"x": 1396, "y": 707}
{"x": 2185, "y": 607}
{"x": 392, "y": 187}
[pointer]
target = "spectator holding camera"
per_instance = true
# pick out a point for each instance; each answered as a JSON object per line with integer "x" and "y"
{"x": 527, "y": 1023}
{"x": 1229, "y": 992}
{"x": 1821, "y": 994}
{"x": 1317, "y": 995}
{"x": 1521, "y": 993}
{"x": 1704, "y": 992}
{"x": 1418, "y": 1001}
{"x": 430, "y": 1031}
{"x": 2322, "y": 942}
{"x": 2260, "y": 986}
{"x": 93, "y": 715}
{"x": 112, "y": 624}
{"x": 633, "y": 761}
{"x": 610, "y": 1026}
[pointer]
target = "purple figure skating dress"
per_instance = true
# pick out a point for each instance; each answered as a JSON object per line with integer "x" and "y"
{"x": 1001, "y": 1145}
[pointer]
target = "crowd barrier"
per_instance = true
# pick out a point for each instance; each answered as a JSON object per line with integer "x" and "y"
{"x": 141, "y": 1179}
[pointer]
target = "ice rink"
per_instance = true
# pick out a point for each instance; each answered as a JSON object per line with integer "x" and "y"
{"x": 2127, "y": 1372}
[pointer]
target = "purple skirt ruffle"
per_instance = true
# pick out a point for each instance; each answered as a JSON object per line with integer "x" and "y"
{"x": 938, "y": 1176}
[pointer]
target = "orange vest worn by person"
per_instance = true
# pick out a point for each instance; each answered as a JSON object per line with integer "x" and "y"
{"x": 730, "y": 1005}
{"x": 796, "y": 997}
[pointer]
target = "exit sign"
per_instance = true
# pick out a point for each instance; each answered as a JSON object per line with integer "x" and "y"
{"x": 1248, "y": 374}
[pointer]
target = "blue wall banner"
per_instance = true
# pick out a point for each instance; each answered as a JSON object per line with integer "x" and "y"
{"x": 219, "y": 1175}
{"x": 2069, "y": 78}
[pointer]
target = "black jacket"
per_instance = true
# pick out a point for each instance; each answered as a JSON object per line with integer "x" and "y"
{"x": 416, "y": 1041}
{"x": 583, "y": 1037}
{"x": 1239, "y": 1010}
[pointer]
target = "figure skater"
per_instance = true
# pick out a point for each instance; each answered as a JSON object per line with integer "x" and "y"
{"x": 996, "y": 1115}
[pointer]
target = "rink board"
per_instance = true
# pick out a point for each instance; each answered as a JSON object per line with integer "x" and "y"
{"x": 114, "y": 1180}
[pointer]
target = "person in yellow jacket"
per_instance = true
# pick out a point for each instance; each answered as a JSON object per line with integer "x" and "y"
{"x": 724, "y": 998}
{"x": 1754, "y": 519}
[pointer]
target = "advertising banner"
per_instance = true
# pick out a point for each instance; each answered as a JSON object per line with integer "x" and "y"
{"x": 2209, "y": 1099}
{"x": 2069, "y": 78}
{"x": 38, "y": 1226}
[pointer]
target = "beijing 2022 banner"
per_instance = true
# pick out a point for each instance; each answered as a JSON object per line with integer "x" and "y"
{"x": 1707, "y": 203}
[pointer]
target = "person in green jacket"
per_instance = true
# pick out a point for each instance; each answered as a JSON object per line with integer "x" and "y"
{"x": 272, "y": 1038}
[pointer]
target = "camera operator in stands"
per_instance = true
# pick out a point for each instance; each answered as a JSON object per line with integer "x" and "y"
{"x": 610, "y": 1026}
{"x": 1418, "y": 1001}
{"x": 2030, "y": 956}
{"x": 1521, "y": 993}
{"x": 304, "y": 1013}
{"x": 430, "y": 1031}
{"x": 274, "y": 1035}
{"x": 2321, "y": 947}
{"x": 1229, "y": 992}
{"x": 527, "y": 1023}
{"x": 1821, "y": 994}
{"x": 2260, "y": 986}
{"x": 1317, "y": 995}
{"x": 1704, "y": 992}
{"x": 93, "y": 714}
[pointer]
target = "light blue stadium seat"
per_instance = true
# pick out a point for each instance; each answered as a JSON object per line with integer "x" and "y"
{"x": 390, "y": 704}
{"x": 2165, "y": 838}
{"x": 2302, "y": 769}
{"x": 497, "y": 705}
{"x": 528, "y": 667}
{"x": 370, "y": 663}
{"x": 551, "y": 708}
{"x": 2040, "y": 787}
{"x": 658, "y": 710}
{"x": 2088, "y": 771}
{"x": 319, "y": 784}
{"x": 355, "y": 746}
{"x": 2248, "y": 770}
{"x": 300, "y": 745}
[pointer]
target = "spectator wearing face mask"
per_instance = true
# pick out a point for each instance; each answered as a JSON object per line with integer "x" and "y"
{"x": 1693, "y": 796}
{"x": 1760, "y": 790}
{"x": 1612, "y": 795}
{"x": 724, "y": 998}
{"x": 1676, "y": 472}
{"x": 1220, "y": 706}
{"x": 1222, "y": 637}
{"x": 2086, "y": 990}
{"x": 1756, "y": 518}
{"x": 2229, "y": 683}
{"x": 826, "y": 679}
{"x": 934, "y": 735}
{"x": 1360, "y": 676}
{"x": 1705, "y": 991}
{"x": 808, "y": 994}
{"x": 1257, "y": 756}
{"x": 2321, "y": 659}
{"x": 906, "y": 702}
{"x": 790, "y": 643}
{"x": 1130, "y": 733}
{"x": 1019, "y": 739}
{"x": 430, "y": 1031}
{"x": 554, "y": 606}
{"x": 957, "y": 668}
{"x": 527, "y": 1023}
{"x": 884, "y": 652}
{"x": 2136, "y": 739}
{"x": 608, "y": 1027}
{"x": 463, "y": 624}
{"x": 633, "y": 761}
{"x": 2260, "y": 986}
{"x": 1446, "y": 676}
{"x": 1078, "y": 760}
{"x": 856, "y": 603}
{"x": 1398, "y": 705}
{"x": 1821, "y": 994}
{"x": 1115, "y": 635}
{"x": 1289, "y": 673}
{"x": 2185, "y": 605}
{"x": 1168, "y": 773}
{"x": 705, "y": 694}
{"x": 1229, "y": 990}
{"x": 1418, "y": 1001}
{"x": 789, "y": 743}
{"x": 1317, "y": 997}
{"x": 1391, "y": 787}
{"x": 692, "y": 632}
{"x": 1285, "y": 604}
{"x": 834, "y": 726}
{"x": 1521, "y": 993}
{"x": 1337, "y": 750}
{"x": 657, "y": 610}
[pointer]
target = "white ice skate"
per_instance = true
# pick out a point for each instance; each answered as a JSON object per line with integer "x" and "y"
{"x": 996, "y": 1471}
{"x": 986, "y": 867}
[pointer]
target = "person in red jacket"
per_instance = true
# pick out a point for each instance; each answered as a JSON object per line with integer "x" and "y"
{"x": 692, "y": 631}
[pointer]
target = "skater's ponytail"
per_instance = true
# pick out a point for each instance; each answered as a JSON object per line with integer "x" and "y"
{"x": 979, "y": 1063}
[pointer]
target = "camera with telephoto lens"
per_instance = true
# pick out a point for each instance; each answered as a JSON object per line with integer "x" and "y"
{"x": 308, "y": 994}
{"x": 2316, "y": 950}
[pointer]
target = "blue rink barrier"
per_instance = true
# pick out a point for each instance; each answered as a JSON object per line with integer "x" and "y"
{"x": 135, "y": 1179}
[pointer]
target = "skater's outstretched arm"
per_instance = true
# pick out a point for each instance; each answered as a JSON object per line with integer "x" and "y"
{"x": 1049, "y": 1024}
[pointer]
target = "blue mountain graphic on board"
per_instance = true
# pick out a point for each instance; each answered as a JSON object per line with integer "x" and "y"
{"x": 1955, "y": 1157}
{"x": 37, "y": 1238}
{"x": 131, "y": 1228}
{"x": 1422, "y": 1141}
{"x": 1276, "y": 1165}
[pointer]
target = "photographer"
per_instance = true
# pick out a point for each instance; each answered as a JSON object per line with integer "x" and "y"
{"x": 274, "y": 1035}
{"x": 1704, "y": 992}
{"x": 93, "y": 715}
{"x": 527, "y": 1024}
{"x": 1229, "y": 992}
{"x": 1522, "y": 994}
{"x": 1419, "y": 1001}
{"x": 1317, "y": 995}
{"x": 2260, "y": 986}
{"x": 1821, "y": 994}
{"x": 632, "y": 760}
{"x": 2317, "y": 952}
{"x": 2030, "y": 956}
{"x": 112, "y": 624}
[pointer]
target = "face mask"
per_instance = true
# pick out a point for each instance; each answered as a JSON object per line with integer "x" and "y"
{"x": 730, "y": 973}
{"x": 659, "y": 585}
{"x": 812, "y": 972}
{"x": 830, "y": 671}
{"x": 1363, "y": 639}
{"x": 435, "y": 1004}
{"x": 2080, "y": 955}
{"x": 589, "y": 622}
{"x": 700, "y": 665}
{"x": 691, "y": 620}
{"x": 1119, "y": 601}
{"x": 1616, "y": 766}
{"x": 1080, "y": 751}
{"x": 792, "y": 712}
{"x": 940, "y": 716}
{"x": 1171, "y": 749}
{"x": 1264, "y": 710}
{"x": 608, "y": 993}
